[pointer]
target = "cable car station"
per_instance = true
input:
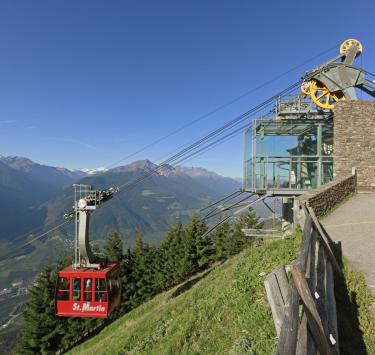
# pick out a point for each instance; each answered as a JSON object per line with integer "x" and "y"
{"x": 290, "y": 150}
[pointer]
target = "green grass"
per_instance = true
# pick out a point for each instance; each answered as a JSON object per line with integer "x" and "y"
{"x": 221, "y": 311}
{"x": 355, "y": 313}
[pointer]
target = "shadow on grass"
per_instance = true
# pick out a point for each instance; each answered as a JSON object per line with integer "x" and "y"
{"x": 350, "y": 335}
{"x": 189, "y": 284}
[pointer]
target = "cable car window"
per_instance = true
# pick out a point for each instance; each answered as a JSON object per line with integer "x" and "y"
{"x": 76, "y": 289}
{"x": 100, "y": 291}
{"x": 114, "y": 287}
{"x": 87, "y": 293}
{"x": 63, "y": 289}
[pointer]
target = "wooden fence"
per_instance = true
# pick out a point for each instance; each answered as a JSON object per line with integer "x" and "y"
{"x": 303, "y": 304}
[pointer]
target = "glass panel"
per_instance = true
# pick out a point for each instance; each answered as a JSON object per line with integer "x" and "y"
{"x": 286, "y": 154}
{"x": 63, "y": 287}
{"x": 327, "y": 171}
{"x": 100, "y": 291}
{"x": 88, "y": 289}
{"x": 327, "y": 139}
{"x": 77, "y": 289}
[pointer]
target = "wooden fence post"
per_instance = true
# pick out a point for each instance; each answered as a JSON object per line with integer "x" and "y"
{"x": 288, "y": 335}
{"x": 325, "y": 241}
{"x": 313, "y": 317}
{"x": 277, "y": 288}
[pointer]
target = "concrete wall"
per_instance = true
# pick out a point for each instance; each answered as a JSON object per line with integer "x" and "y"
{"x": 327, "y": 196}
{"x": 354, "y": 141}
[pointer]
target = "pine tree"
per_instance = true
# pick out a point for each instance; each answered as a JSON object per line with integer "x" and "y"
{"x": 114, "y": 247}
{"x": 220, "y": 238}
{"x": 176, "y": 254}
{"x": 205, "y": 248}
{"x": 41, "y": 333}
{"x": 249, "y": 220}
{"x": 238, "y": 240}
{"x": 171, "y": 253}
{"x": 127, "y": 282}
{"x": 196, "y": 250}
{"x": 143, "y": 271}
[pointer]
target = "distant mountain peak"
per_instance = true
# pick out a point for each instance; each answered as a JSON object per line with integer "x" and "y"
{"x": 94, "y": 171}
{"x": 26, "y": 165}
{"x": 17, "y": 162}
{"x": 143, "y": 165}
{"x": 196, "y": 172}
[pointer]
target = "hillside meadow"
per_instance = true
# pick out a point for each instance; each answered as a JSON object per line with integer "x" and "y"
{"x": 220, "y": 311}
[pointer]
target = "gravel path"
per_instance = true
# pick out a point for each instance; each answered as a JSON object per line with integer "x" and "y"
{"x": 353, "y": 224}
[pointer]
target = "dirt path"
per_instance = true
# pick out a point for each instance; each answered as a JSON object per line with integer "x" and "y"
{"x": 353, "y": 224}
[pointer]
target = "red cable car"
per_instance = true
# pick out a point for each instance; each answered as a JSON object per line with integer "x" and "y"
{"x": 87, "y": 292}
{"x": 89, "y": 288}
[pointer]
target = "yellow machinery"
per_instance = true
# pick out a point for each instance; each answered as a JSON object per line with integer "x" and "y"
{"x": 337, "y": 79}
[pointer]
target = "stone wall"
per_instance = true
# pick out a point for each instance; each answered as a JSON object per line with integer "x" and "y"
{"x": 354, "y": 141}
{"x": 327, "y": 196}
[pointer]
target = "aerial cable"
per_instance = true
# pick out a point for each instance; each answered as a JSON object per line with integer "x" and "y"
{"x": 182, "y": 155}
{"x": 233, "y": 215}
{"x": 214, "y": 111}
{"x": 130, "y": 185}
{"x": 26, "y": 234}
{"x": 206, "y": 149}
{"x": 214, "y": 143}
{"x": 211, "y": 135}
{"x": 19, "y": 247}
{"x": 215, "y": 226}
{"x": 230, "y": 123}
{"x": 220, "y": 107}
{"x": 211, "y": 113}
{"x": 214, "y": 213}
{"x": 234, "y": 194}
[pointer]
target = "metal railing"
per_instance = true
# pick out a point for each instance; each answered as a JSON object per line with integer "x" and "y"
{"x": 287, "y": 173}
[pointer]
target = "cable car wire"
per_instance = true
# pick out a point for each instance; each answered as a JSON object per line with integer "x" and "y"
{"x": 220, "y": 107}
{"x": 185, "y": 153}
{"x": 211, "y": 135}
{"x": 234, "y": 194}
{"x": 196, "y": 144}
{"x": 19, "y": 247}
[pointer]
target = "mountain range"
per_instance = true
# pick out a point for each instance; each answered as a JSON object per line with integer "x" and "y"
{"x": 24, "y": 186}
{"x": 33, "y": 194}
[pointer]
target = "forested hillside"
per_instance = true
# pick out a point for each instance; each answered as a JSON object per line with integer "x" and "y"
{"x": 166, "y": 197}
{"x": 24, "y": 186}
{"x": 223, "y": 310}
{"x": 145, "y": 271}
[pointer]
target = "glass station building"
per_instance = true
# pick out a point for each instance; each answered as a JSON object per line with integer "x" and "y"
{"x": 287, "y": 156}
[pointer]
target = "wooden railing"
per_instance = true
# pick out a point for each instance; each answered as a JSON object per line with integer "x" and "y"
{"x": 303, "y": 304}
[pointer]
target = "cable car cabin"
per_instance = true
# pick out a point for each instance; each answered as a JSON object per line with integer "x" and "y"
{"x": 87, "y": 292}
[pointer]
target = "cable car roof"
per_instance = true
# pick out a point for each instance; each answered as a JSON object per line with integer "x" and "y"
{"x": 107, "y": 269}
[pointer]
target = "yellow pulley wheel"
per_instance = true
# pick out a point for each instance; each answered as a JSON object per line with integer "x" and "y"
{"x": 348, "y": 43}
{"x": 322, "y": 97}
{"x": 305, "y": 87}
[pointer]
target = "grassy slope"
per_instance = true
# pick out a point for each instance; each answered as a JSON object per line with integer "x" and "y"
{"x": 226, "y": 311}
{"x": 355, "y": 313}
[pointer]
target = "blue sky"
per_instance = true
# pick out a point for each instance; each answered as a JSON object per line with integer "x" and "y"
{"x": 85, "y": 83}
